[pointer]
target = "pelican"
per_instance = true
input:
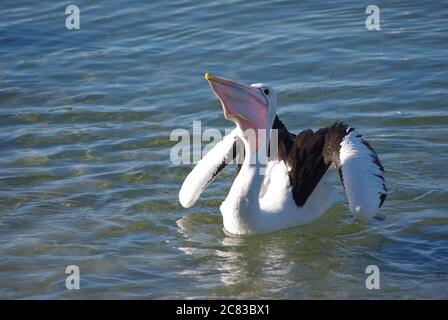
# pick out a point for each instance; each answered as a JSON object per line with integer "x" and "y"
{"x": 292, "y": 187}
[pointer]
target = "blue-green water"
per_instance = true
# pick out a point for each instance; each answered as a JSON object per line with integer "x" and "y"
{"x": 85, "y": 171}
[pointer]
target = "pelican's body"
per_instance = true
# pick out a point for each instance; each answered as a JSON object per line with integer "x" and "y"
{"x": 276, "y": 191}
{"x": 276, "y": 208}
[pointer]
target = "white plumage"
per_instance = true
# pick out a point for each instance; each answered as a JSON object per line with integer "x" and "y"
{"x": 361, "y": 176}
{"x": 205, "y": 170}
{"x": 290, "y": 190}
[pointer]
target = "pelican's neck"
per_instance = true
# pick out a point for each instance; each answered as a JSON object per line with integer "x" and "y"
{"x": 252, "y": 172}
{"x": 241, "y": 208}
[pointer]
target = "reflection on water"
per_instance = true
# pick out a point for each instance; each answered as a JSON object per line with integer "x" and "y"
{"x": 333, "y": 254}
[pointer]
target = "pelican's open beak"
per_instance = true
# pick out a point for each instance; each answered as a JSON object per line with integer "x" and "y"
{"x": 245, "y": 105}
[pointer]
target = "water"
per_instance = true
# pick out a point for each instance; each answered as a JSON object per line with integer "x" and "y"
{"x": 85, "y": 173}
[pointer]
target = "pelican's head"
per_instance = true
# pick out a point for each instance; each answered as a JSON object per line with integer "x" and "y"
{"x": 248, "y": 106}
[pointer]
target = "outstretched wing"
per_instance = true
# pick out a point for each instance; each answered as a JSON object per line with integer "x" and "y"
{"x": 307, "y": 164}
{"x": 208, "y": 168}
{"x": 310, "y": 154}
{"x": 360, "y": 169}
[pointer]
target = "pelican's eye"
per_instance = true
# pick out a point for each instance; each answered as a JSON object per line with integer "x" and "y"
{"x": 266, "y": 91}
